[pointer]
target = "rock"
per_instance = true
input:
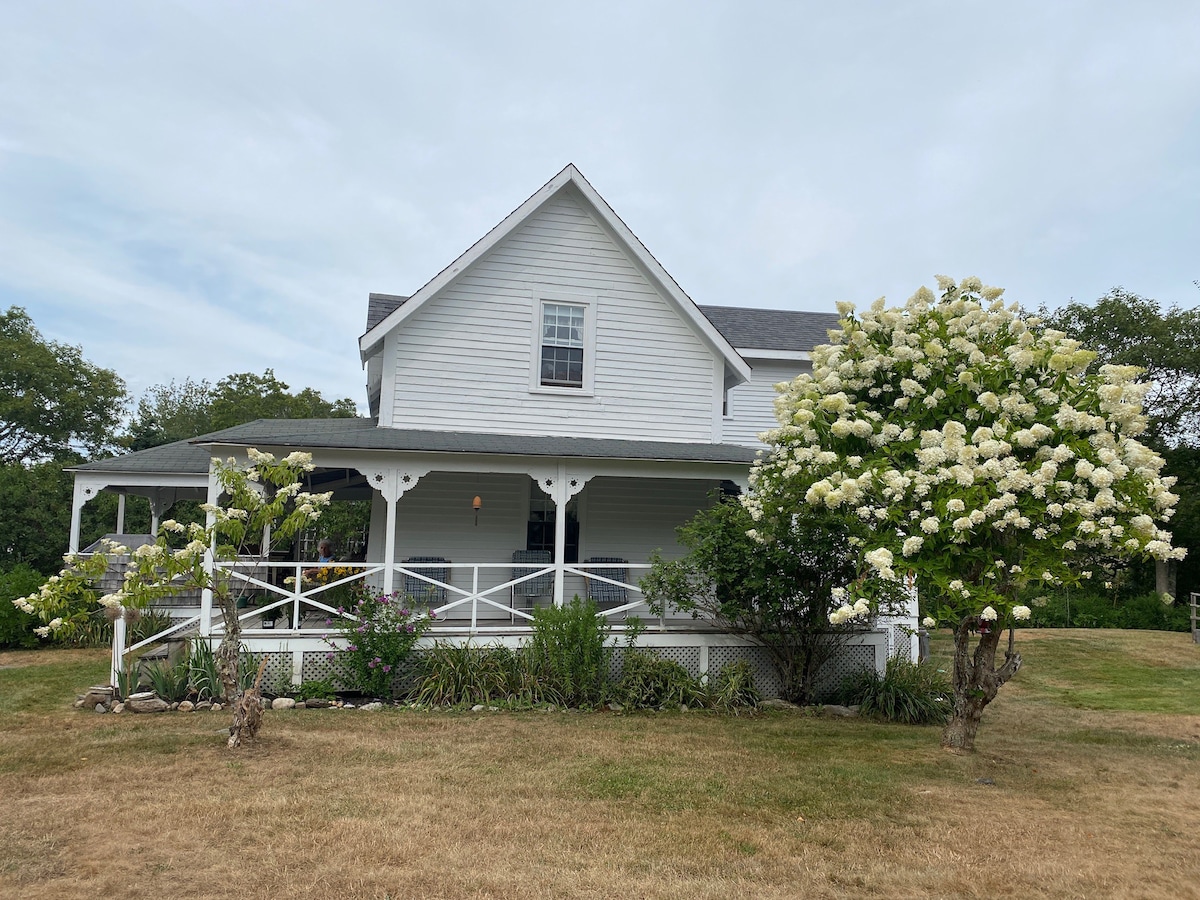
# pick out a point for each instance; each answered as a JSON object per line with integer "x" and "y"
{"x": 216, "y": 707}
{"x": 374, "y": 706}
{"x": 149, "y": 704}
{"x": 175, "y": 705}
{"x": 347, "y": 706}
{"x": 204, "y": 704}
{"x": 776, "y": 703}
{"x": 97, "y": 694}
{"x": 79, "y": 703}
{"x": 118, "y": 707}
{"x": 141, "y": 695}
{"x": 264, "y": 703}
{"x": 984, "y": 781}
{"x": 283, "y": 703}
{"x": 478, "y": 707}
{"x": 101, "y": 708}
{"x": 615, "y": 707}
{"x": 318, "y": 703}
{"x": 303, "y": 704}
{"x": 842, "y": 712}
{"x": 683, "y": 707}
{"x": 186, "y": 706}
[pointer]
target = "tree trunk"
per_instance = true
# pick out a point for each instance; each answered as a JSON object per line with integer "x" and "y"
{"x": 229, "y": 649}
{"x": 976, "y": 680}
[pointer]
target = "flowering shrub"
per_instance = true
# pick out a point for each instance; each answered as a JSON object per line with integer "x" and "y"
{"x": 379, "y": 639}
{"x": 977, "y": 451}
{"x": 260, "y": 494}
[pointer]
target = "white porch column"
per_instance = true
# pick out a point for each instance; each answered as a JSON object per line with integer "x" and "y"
{"x": 560, "y": 486}
{"x": 206, "y": 595}
{"x": 86, "y": 488}
{"x": 121, "y": 513}
{"x": 118, "y": 647}
{"x": 392, "y": 482}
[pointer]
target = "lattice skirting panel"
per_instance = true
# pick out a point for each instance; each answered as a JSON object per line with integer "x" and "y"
{"x": 318, "y": 666}
{"x": 688, "y": 657}
{"x": 766, "y": 679}
{"x": 278, "y": 673}
{"x": 849, "y": 661}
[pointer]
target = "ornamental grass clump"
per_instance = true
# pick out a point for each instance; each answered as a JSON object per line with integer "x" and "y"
{"x": 908, "y": 693}
{"x": 975, "y": 449}
{"x": 568, "y": 652}
{"x": 380, "y": 632}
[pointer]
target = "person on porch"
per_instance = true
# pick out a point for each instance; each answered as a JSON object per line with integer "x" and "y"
{"x": 324, "y": 557}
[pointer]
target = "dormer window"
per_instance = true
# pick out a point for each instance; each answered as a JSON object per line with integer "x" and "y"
{"x": 563, "y": 343}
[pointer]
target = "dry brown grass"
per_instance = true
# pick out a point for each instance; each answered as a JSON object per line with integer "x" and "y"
{"x": 449, "y": 805}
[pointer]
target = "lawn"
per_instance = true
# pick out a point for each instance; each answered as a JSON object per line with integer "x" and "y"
{"x": 1086, "y": 782}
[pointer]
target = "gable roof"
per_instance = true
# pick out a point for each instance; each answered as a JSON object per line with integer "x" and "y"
{"x": 363, "y": 434}
{"x": 771, "y": 329}
{"x": 569, "y": 176}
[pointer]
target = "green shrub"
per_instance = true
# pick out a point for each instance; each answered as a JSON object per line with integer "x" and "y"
{"x": 129, "y": 679}
{"x": 16, "y": 627}
{"x": 907, "y": 692}
{"x": 169, "y": 681}
{"x": 379, "y": 639}
{"x": 203, "y": 676}
{"x": 465, "y": 675}
{"x": 650, "y": 682}
{"x": 1093, "y": 609}
{"x": 316, "y": 689}
{"x": 733, "y": 689}
{"x": 569, "y": 654}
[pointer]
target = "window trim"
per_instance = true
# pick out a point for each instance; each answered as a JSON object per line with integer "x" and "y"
{"x": 588, "y": 304}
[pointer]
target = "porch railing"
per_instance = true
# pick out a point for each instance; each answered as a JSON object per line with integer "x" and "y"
{"x": 465, "y": 610}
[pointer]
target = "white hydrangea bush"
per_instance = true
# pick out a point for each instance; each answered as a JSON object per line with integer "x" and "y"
{"x": 974, "y": 446}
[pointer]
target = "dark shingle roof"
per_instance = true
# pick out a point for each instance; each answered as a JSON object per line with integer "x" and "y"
{"x": 771, "y": 329}
{"x": 181, "y": 457}
{"x": 363, "y": 434}
{"x": 380, "y": 306}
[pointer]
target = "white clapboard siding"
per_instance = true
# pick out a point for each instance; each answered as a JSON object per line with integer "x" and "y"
{"x": 631, "y": 517}
{"x": 752, "y": 405}
{"x": 463, "y": 361}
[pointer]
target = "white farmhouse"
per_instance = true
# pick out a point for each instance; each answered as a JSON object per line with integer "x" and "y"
{"x": 544, "y": 413}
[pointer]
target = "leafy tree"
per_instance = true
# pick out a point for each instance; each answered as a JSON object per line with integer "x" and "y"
{"x": 52, "y": 400}
{"x": 264, "y": 494}
{"x": 185, "y": 409}
{"x": 976, "y": 454}
{"x": 1128, "y": 330}
{"x": 170, "y": 412}
{"x": 777, "y": 583}
{"x": 245, "y": 397}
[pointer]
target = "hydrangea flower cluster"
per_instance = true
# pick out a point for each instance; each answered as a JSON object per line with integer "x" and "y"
{"x": 976, "y": 448}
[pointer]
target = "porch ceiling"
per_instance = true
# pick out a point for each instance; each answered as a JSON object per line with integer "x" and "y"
{"x": 364, "y": 434}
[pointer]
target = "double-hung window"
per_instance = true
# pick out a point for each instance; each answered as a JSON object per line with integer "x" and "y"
{"x": 563, "y": 345}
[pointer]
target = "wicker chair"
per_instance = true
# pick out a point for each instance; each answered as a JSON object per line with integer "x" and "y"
{"x": 524, "y": 592}
{"x": 422, "y": 591}
{"x": 607, "y": 596}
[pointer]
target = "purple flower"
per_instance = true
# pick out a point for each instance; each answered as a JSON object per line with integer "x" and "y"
{"x": 409, "y": 628}
{"x": 329, "y": 656}
{"x": 371, "y": 664}
{"x": 329, "y": 621}
{"x": 351, "y": 647}
{"x": 387, "y": 670}
{"x": 383, "y": 601}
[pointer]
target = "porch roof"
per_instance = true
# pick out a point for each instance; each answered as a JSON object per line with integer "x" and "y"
{"x": 364, "y": 434}
{"x": 180, "y": 457}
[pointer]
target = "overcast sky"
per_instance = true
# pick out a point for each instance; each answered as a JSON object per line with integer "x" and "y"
{"x": 195, "y": 189}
